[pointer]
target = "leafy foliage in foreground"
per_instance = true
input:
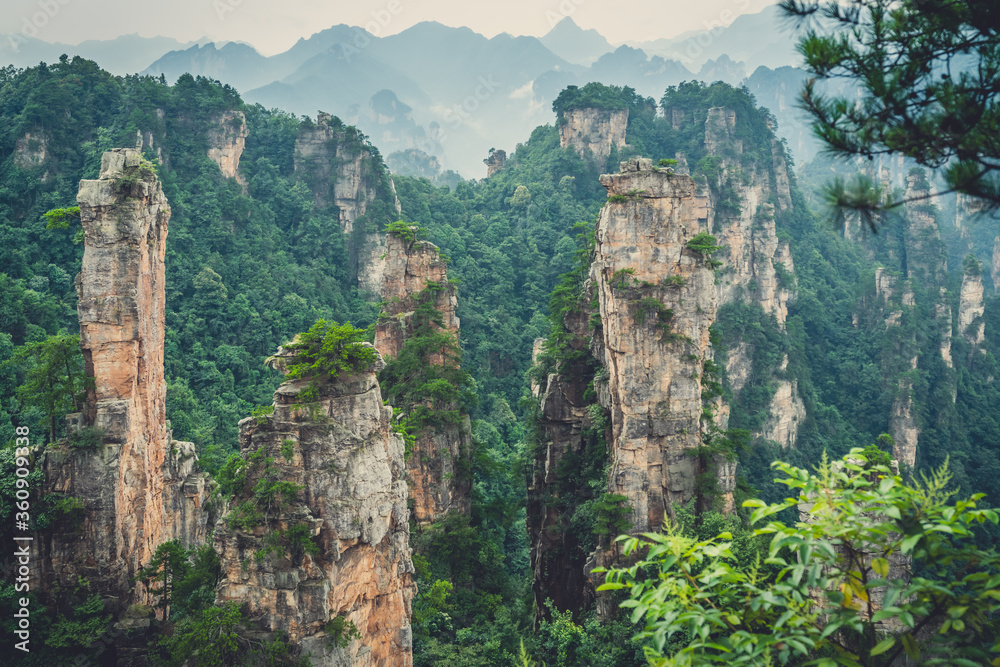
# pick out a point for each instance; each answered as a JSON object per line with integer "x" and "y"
{"x": 876, "y": 566}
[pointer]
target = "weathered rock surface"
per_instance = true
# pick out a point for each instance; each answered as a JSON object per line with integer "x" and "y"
{"x": 31, "y": 151}
{"x": 971, "y": 309}
{"x": 495, "y": 162}
{"x": 347, "y": 466}
{"x": 654, "y": 371}
{"x": 138, "y": 489}
{"x": 757, "y": 267}
{"x": 995, "y": 269}
{"x": 594, "y": 131}
{"x": 903, "y": 426}
{"x": 414, "y": 273}
{"x": 345, "y": 176}
{"x": 226, "y": 141}
{"x": 925, "y": 251}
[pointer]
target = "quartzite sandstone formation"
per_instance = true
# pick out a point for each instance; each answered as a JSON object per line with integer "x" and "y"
{"x": 896, "y": 303}
{"x": 347, "y": 179}
{"x": 226, "y": 141}
{"x": 496, "y": 162}
{"x": 349, "y": 492}
{"x": 138, "y": 488}
{"x": 411, "y": 266}
{"x": 593, "y": 130}
{"x": 757, "y": 267}
{"x": 657, "y": 300}
{"x": 654, "y": 372}
{"x": 971, "y": 309}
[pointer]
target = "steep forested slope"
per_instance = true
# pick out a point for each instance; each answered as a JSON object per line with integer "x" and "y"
{"x": 256, "y": 254}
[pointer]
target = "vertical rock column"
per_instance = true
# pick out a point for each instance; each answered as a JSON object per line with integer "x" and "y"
{"x": 437, "y": 485}
{"x": 655, "y": 363}
{"x": 332, "y": 539}
{"x": 121, "y": 306}
{"x": 347, "y": 179}
{"x": 593, "y": 130}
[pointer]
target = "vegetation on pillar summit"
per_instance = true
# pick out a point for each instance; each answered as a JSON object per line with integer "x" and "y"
{"x": 599, "y": 96}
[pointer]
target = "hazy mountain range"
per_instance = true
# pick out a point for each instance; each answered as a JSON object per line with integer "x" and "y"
{"x": 451, "y": 92}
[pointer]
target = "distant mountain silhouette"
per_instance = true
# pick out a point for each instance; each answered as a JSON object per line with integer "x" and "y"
{"x": 127, "y": 54}
{"x": 574, "y": 44}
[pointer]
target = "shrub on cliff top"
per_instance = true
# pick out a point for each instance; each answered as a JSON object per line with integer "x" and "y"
{"x": 329, "y": 349}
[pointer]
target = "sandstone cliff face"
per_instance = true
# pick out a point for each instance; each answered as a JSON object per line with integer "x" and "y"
{"x": 437, "y": 485}
{"x": 903, "y": 427}
{"x": 654, "y": 371}
{"x": 344, "y": 175}
{"x": 995, "y": 268}
{"x": 31, "y": 151}
{"x": 348, "y": 501}
{"x": 925, "y": 255}
{"x": 226, "y": 141}
{"x": 757, "y": 267}
{"x": 593, "y": 130}
{"x": 656, "y": 300}
{"x": 496, "y": 162}
{"x": 971, "y": 309}
{"x": 135, "y": 484}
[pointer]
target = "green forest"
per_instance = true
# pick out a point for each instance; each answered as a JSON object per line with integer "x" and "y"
{"x": 251, "y": 264}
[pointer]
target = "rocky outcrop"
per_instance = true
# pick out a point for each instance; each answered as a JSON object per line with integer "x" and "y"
{"x": 925, "y": 251}
{"x": 757, "y": 267}
{"x": 971, "y": 309}
{"x": 348, "y": 179}
{"x": 31, "y": 151}
{"x": 226, "y": 141}
{"x": 942, "y": 314}
{"x": 410, "y": 266}
{"x": 138, "y": 487}
{"x": 495, "y": 162}
{"x": 787, "y": 412}
{"x": 593, "y": 132}
{"x": 903, "y": 425}
{"x": 328, "y": 547}
{"x": 995, "y": 268}
{"x": 654, "y": 338}
{"x": 416, "y": 275}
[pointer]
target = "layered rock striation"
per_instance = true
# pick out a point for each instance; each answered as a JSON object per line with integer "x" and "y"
{"x": 348, "y": 179}
{"x": 593, "y": 132}
{"x": 226, "y": 140}
{"x": 138, "y": 488}
{"x": 414, "y": 276}
{"x": 317, "y": 542}
{"x": 645, "y": 402}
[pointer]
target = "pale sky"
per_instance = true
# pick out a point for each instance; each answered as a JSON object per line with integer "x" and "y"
{"x": 272, "y": 26}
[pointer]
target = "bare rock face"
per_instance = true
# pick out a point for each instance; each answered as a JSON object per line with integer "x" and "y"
{"x": 995, "y": 269}
{"x": 31, "y": 151}
{"x": 593, "y": 130}
{"x": 414, "y": 272}
{"x": 903, "y": 426}
{"x": 344, "y": 176}
{"x": 971, "y": 309}
{"x": 496, "y": 162}
{"x": 925, "y": 256}
{"x": 226, "y": 141}
{"x": 343, "y": 475}
{"x": 757, "y": 267}
{"x": 138, "y": 489}
{"x": 654, "y": 371}
{"x": 787, "y": 412}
